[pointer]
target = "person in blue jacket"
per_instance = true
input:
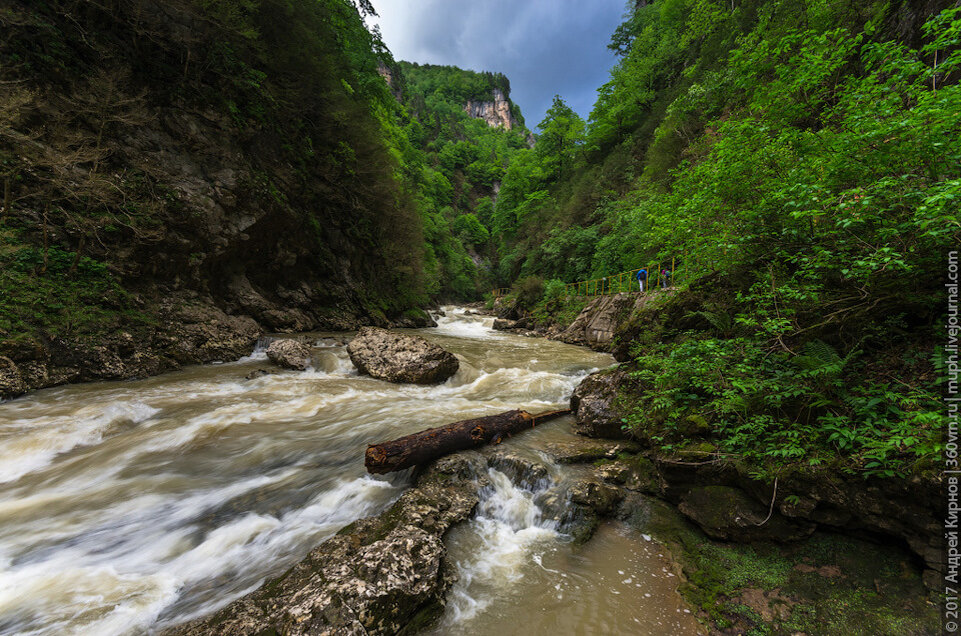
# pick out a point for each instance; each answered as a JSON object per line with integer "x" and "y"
{"x": 641, "y": 278}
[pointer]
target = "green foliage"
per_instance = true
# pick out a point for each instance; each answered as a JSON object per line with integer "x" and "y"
{"x": 772, "y": 407}
{"x": 470, "y": 231}
{"x": 291, "y": 89}
{"x": 554, "y": 289}
{"x": 58, "y": 294}
{"x": 528, "y": 291}
{"x": 454, "y": 163}
{"x": 804, "y": 158}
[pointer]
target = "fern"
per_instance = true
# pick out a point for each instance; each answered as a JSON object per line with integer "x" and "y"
{"x": 818, "y": 356}
{"x": 721, "y": 321}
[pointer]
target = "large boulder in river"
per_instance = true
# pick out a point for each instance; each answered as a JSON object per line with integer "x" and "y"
{"x": 595, "y": 407}
{"x": 400, "y": 357}
{"x": 289, "y": 354}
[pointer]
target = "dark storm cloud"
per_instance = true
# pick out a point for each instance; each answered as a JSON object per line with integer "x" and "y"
{"x": 545, "y": 47}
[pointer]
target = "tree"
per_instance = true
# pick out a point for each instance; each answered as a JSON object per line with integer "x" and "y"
{"x": 562, "y": 133}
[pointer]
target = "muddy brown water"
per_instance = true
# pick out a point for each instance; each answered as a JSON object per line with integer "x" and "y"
{"x": 133, "y": 506}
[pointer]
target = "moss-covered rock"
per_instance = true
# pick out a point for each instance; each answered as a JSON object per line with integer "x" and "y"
{"x": 728, "y": 513}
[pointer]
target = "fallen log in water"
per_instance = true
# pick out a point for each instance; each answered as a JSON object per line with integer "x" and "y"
{"x": 424, "y": 446}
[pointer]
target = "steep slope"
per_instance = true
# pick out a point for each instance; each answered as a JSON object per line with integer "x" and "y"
{"x": 179, "y": 176}
{"x": 801, "y": 163}
{"x": 464, "y": 132}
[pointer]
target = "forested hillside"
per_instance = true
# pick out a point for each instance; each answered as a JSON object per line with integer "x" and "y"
{"x": 232, "y": 167}
{"x": 183, "y": 180}
{"x": 801, "y": 163}
{"x": 456, "y": 161}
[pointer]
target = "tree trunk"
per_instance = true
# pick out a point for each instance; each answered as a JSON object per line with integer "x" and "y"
{"x": 6, "y": 198}
{"x": 77, "y": 256}
{"x": 424, "y": 446}
{"x": 46, "y": 246}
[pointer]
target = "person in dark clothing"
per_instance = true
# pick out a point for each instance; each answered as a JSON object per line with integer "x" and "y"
{"x": 665, "y": 278}
{"x": 641, "y": 278}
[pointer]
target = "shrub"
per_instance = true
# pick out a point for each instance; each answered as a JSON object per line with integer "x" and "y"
{"x": 554, "y": 289}
{"x": 528, "y": 290}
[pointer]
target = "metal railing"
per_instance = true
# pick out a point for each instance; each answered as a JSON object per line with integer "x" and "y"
{"x": 624, "y": 282}
{"x": 621, "y": 283}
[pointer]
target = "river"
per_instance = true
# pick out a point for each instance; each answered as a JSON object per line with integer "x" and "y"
{"x": 128, "y": 507}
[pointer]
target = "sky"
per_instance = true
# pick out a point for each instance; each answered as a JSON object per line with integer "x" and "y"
{"x": 545, "y": 47}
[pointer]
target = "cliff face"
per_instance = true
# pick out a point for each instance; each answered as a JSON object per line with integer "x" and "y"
{"x": 170, "y": 204}
{"x": 496, "y": 113}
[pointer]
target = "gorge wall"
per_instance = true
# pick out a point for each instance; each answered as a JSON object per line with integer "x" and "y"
{"x": 495, "y": 113}
{"x": 167, "y": 180}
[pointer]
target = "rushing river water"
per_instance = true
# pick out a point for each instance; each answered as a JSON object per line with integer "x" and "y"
{"x": 128, "y": 507}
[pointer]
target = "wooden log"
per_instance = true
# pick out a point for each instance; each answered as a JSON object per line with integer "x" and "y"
{"x": 424, "y": 446}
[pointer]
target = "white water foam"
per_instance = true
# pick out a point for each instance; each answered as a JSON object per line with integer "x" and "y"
{"x": 510, "y": 530}
{"x": 132, "y": 534}
{"x": 160, "y": 556}
{"x": 32, "y": 444}
{"x": 458, "y": 323}
{"x": 260, "y": 351}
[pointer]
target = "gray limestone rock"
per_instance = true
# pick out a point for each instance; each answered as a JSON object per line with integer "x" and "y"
{"x": 289, "y": 354}
{"x": 11, "y": 382}
{"x": 595, "y": 411}
{"x": 400, "y": 358}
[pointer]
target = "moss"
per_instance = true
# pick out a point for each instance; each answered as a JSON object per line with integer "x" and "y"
{"x": 703, "y": 448}
{"x": 416, "y": 314}
{"x": 55, "y": 293}
{"x": 644, "y": 472}
{"x": 828, "y": 584}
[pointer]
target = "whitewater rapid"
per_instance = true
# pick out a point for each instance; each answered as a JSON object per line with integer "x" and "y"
{"x": 132, "y": 506}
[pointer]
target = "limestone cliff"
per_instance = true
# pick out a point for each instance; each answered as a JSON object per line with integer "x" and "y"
{"x": 496, "y": 113}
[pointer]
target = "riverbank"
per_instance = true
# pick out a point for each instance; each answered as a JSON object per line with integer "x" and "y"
{"x": 134, "y": 506}
{"x": 177, "y": 330}
{"x": 761, "y": 513}
{"x": 286, "y": 448}
{"x": 393, "y": 573}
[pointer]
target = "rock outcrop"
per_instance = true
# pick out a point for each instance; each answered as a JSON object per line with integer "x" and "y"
{"x": 400, "y": 358}
{"x": 205, "y": 233}
{"x": 412, "y": 319}
{"x": 11, "y": 380}
{"x": 191, "y": 330}
{"x": 729, "y": 514}
{"x": 496, "y": 113}
{"x": 289, "y": 354}
{"x": 597, "y": 323}
{"x": 594, "y": 403}
{"x": 729, "y": 504}
{"x": 379, "y": 575}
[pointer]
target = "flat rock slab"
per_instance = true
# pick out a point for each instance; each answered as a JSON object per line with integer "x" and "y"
{"x": 401, "y": 358}
{"x": 585, "y": 451}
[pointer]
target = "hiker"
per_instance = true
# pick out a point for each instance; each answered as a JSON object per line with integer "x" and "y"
{"x": 665, "y": 278}
{"x": 641, "y": 278}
